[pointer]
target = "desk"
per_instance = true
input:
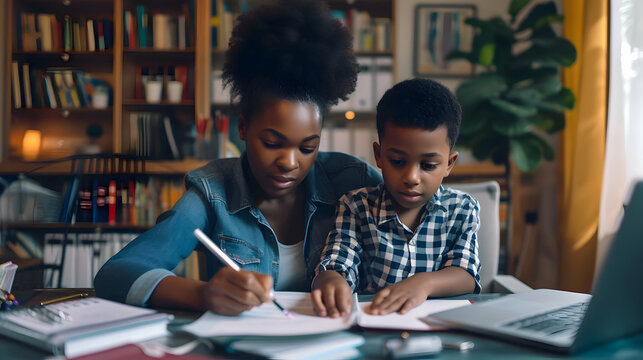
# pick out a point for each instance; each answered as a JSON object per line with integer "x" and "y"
{"x": 485, "y": 348}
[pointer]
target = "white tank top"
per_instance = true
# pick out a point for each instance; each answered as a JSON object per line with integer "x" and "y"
{"x": 292, "y": 272}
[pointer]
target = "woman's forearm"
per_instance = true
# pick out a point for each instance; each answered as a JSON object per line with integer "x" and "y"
{"x": 178, "y": 293}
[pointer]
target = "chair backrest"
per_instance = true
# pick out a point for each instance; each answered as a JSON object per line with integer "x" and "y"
{"x": 488, "y": 195}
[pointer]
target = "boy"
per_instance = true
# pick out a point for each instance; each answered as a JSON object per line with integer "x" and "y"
{"x": 408, "y": 238}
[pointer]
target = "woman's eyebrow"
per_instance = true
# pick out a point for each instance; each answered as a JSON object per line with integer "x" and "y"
{"x": 283, "y": 137}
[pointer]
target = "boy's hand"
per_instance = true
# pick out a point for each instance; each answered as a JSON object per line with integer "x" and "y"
{"x": 231, "y": 292}
{"x": 332, "y": 296}
{"x": 400, "y": 297}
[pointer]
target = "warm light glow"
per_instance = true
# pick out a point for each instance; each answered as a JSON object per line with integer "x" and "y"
{"x": 31, "y": 145}
{"x": 349, "y": 115}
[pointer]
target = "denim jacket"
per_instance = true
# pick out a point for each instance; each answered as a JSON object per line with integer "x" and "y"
{"x": 218, "y": 200}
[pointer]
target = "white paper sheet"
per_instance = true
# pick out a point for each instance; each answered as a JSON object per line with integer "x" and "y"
{"x": 410, "y": 320}
{"x": 267, "y": 320}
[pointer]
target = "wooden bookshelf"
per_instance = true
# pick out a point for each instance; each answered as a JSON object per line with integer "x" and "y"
{"x": 116, "y": 65}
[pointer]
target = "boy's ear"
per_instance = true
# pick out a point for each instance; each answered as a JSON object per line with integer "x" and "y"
{"x": 452, "y": 158}
{"x": 376, "y": 152}
{"x": 243, "y": 127}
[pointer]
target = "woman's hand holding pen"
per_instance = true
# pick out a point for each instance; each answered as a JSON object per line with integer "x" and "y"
{"x": 231, "y": 292}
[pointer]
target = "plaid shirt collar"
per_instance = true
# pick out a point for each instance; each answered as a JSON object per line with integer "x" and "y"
{"x": 386, "y": 210}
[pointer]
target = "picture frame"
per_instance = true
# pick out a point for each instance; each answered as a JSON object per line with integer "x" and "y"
{"x": 438, "y": 30}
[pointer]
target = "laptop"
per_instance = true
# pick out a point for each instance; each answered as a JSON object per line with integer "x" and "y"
{"x": 567, "y": 321}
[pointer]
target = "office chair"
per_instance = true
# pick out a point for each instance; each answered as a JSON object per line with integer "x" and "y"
{"x": 488, "y": 195}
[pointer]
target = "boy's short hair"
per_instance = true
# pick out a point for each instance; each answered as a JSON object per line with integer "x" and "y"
{"x": 421, "y": 103}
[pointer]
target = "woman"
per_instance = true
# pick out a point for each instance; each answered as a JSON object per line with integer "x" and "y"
{"x": 271, "y": 209}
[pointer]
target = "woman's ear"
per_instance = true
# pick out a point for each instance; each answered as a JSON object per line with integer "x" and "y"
{"x": 243, "y": 127}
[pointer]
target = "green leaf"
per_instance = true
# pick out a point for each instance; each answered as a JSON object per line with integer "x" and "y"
{"x": 486, "y": 144}
{"x": 563, "y": 100}
{"x": 514, "y": 109}
{"x": 528, "y": 95}
{"x": 548, "y": 85}
{"x": 526, "y": 153}
{"x": 559, "y": 49}
{"x": 527, "y": 73}
{"x": 538, "y": 12}
{"x": 471, "y": 123}
{"x": 510, "y": 126}
{"x": 473, "y": 92}
{"x": 486, "y": 54}
{"x": 545, "y": 149}
{"x": 549, "y": 121}
{"x": 551, "y": 52}
{"x": 515, "y": 7}
{"x": 551, "y": 19}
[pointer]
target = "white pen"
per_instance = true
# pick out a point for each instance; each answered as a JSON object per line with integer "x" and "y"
{"x": 208, "y": 243}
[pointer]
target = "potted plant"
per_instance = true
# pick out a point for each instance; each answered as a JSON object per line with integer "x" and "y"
{"x": 519, "y": 90}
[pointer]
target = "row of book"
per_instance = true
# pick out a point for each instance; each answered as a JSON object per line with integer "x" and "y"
{"x": 85, "y": 254}
{"x": 115, "y": 200}
{"x": 48, "y": 32}
{"x": 369, "y": 33}
{"x": 159, "y": 31}
{"x": 154, "y": 136}
{"x": 53, "y": 88}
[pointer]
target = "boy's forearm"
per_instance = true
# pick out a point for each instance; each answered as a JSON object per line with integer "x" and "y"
{"x": 450, "y": 281}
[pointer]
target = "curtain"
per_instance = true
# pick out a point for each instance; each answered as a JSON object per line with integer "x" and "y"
{"x": 582, "y": 143}
{"x": 624, "y": 148}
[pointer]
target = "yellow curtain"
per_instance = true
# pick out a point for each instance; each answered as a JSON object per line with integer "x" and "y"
{"x": 582, "y": 143}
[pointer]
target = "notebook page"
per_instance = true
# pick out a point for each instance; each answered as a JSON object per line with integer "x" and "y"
{"x": 267, "y": 320}
{"x": 83, "y": 312}
{"x": 410, "y": 320}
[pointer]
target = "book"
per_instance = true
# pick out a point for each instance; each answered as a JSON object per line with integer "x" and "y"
{"x": 266, "y": 319}
{"x": 69, "y": 203}
{"x": 15, "y": 82}
{"x": 26, "y": 82}
{"x": 86, "y": 326}
{"x": 167, "y": 124}
{"x": 7, "y": 274}
{"x": 91, "y": 38}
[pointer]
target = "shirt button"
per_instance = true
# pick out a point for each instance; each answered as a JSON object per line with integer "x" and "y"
{"x": 412, "y": 242}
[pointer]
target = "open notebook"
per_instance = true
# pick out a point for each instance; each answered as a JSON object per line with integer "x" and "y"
{"x": 86, "y": 326}
{"x": 267, "y": 320}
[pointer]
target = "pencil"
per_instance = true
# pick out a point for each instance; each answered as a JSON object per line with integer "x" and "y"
{"x": 64, "y": 298}
{"x": 210, "y": 245}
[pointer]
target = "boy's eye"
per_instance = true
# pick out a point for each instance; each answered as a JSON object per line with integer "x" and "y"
{"x": 271, "y": 145}
{"x": 308, "y": 149}
{"x": 396, "y": 162}
{"x": 429, "y": 166}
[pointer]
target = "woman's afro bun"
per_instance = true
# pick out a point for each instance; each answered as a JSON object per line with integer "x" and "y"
{"x": 293, "y": 49}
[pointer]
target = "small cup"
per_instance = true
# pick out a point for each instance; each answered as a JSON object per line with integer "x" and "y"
{"x": 174, "y": 92}
{"x": 100, "y": 98}
{"x": 153, "y": 90}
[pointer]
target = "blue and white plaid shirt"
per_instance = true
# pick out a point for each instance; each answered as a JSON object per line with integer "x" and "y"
{"x": 373, "y": 249}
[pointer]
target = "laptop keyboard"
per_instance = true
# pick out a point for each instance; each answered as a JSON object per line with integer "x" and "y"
{"x": 555, "y": 322}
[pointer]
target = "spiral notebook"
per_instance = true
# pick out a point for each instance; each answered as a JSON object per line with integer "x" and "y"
{"x": 80, "y": 327}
